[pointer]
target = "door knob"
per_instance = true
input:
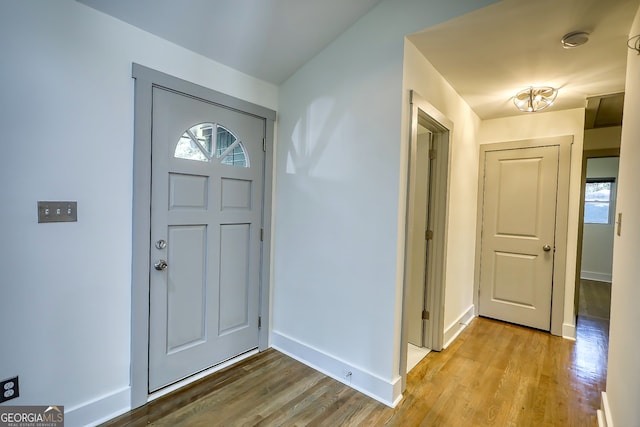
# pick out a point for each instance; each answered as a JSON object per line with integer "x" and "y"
{"x": 546, "y": 248}
{"x": 161, "y": 265}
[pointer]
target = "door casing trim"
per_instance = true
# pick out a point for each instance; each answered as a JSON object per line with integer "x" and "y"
{"x": 561, "y": 226}
{"x": 145, "y": 80}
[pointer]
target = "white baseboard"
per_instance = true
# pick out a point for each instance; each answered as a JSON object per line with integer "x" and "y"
{"x": 99, "y": 410}
{"x": 601, "y": 421}
{"x": 604, "y": 414}
{"x": 598, "y": 277}
{"x": 569, "y": 331}
{"x": 452, "y": 332}
{"x": 387, "y": 392}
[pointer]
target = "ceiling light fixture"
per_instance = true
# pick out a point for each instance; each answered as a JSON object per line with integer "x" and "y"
{"x": 575, "y": 39}
{"x": 634, "y": 43}
{"x": 534, "y": 99}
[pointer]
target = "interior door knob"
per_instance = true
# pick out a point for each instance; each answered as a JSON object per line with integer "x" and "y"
{"x": 546, "y": 248}
{"x": 161, "y": 265}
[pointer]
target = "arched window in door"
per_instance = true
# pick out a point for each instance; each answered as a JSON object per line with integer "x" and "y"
{"x": 206, "y": 142}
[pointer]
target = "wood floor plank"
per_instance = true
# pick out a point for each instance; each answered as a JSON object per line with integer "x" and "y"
{"x": 494, "y": 374}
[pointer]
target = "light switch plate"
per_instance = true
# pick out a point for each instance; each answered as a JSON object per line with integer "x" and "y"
{"x": 57, "y": 211}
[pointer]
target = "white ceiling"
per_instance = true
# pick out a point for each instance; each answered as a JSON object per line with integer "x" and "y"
{"x": 267, "y": 39}
{"x": 490, "y": 54}
{"x": 487, "y": 55}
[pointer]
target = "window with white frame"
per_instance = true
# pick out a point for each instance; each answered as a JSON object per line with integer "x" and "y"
{"x": 598, "y": 200}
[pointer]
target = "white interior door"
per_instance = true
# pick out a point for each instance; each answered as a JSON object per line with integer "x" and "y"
{"x": 417, "y": 300}
{"x": 206, "y": 218}
{"x": 517, "y": 244}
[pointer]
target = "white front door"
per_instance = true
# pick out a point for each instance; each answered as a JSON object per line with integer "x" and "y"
{"x": 518, "y": 234}
{"x": 206, "y": 218}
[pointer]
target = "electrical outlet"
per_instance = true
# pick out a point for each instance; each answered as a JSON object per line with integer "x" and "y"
{"x": 346, "y": 374}
{"x": 9, "y": 389}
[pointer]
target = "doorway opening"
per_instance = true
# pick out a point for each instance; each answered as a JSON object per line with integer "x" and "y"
{"x": 596, "y": 234}
{"x": 597, "y": 213}
{"x": 425, "y": 234}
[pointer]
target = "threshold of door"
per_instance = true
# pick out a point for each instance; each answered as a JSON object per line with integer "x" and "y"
{"x": 415, "y": 355}
{"x": 195, "y": 377}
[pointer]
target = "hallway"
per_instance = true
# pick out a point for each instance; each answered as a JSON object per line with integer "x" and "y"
{"x": 494, "y": 374}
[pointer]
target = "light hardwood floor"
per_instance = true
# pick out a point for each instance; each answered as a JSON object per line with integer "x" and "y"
{"x": 494, "y": 374}
{"x": 595, "y": 299}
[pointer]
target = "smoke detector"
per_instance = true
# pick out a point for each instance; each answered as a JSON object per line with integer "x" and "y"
{"x": 575, "y": 39}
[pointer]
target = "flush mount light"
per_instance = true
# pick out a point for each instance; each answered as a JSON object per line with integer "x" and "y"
{"x": 535, "y": 98}
{"x": 575, "y": 39}
{"x": 634, "y": 43}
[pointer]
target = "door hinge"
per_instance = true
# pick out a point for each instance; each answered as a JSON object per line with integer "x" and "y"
{"x": 259, "y": 322}
{"x": 262, "y": 234}
{"x": 428, "y": 234}
{"x": 425, "y": 315}
{"x": 432, "y": 154}
{"x": 264, "y": 145}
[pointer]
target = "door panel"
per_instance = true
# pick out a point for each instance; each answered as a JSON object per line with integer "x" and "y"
{"x": 187, "y": 285}
{"x": 235, "y": 194}
{"x": 519, "y": 183}
{"x": 234, "y": 264}
{"x": 516, "y": 272}
{"x": 187, "y": 191}
{"x": 514, "y": 278}
{"x": 206, "y": 203}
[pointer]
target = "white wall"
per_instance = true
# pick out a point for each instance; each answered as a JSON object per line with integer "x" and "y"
{"x": 597, "y": 239}
{"x": 67, "y": 134}
{"x": 602, "y": 138}
{"x": 623, "y": 373}
{"x": 422, "y": 77}
{"x": 338, "y": 252}
{"x": 541, "y": 125}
